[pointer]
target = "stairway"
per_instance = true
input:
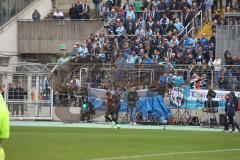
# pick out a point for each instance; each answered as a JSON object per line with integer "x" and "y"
{"x": 207, "y": 26}
{"x": 205, "y": 29}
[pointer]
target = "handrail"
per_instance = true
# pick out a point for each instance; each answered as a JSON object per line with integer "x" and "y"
{"x": 30, "y": 20}
{"x": 57, "y": 65}
{"x": 192, "y": 21}
{"x": 160, "y": 11}
{"x": 110, "y": 64}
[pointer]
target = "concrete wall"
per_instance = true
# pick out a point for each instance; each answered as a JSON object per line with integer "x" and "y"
{"x": 45, "y": 36}
{"x": 73, "y": 114}
{"x": 9, "y": 31}
{"x": 64, "y": 5}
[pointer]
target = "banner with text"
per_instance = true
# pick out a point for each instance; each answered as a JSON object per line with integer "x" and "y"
{"x": 197, "y": 98}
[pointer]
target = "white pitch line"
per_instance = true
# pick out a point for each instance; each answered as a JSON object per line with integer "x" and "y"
{"x": 165, "y": 154}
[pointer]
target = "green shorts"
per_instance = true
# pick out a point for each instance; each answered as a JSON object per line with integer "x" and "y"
{"x": 4, "y": 125}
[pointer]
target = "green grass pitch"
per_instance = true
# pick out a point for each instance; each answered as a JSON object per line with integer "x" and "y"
{"x": 46, "y": 143}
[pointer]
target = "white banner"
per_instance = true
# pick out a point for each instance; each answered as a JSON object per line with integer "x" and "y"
{"x": 202, "y": 94}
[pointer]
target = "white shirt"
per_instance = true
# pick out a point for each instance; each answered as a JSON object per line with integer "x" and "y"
{"x": 58, "y": 14}
{"x": 83, "y": 50}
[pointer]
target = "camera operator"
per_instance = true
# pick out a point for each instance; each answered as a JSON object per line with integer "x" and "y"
{"x": 132, "y": 99}
{"x": 230, "y": 113}
{"x": 210, "y": 95}
{"x": 86, "y": 110}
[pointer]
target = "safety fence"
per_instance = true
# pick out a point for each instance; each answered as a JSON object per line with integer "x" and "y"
{"x": 27, "y": 93}
{"x": 33, "y": 94}
{"x": 228, "y": 39}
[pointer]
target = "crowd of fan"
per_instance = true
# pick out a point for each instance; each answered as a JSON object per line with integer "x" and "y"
{"x": 153, "y": 32}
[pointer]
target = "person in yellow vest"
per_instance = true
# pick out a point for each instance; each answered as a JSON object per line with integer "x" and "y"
{"x": 4, "y": 124}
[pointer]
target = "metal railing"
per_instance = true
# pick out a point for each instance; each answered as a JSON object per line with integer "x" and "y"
{"x": 191, "y": 26}
{"x": 10, "y": 8}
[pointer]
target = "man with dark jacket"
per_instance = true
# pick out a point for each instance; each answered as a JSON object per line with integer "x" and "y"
{"x": 130, "y": 27}
{"x": 36, "y": 15}
{"x": 187, "y": 17}
{"x": 230, "y": 113}
{"x": 79, "y": 9}
{"x": 19, "y": 98}
{"x": 132, "y": 99}
{"x": 73, "y": 12}
{"x": 11, "y": 88}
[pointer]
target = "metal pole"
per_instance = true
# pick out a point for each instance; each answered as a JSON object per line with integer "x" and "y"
{"x": 51, "y": 102}
{"x": 80, "y": 78}
{"x": 6, "y": 86}
{"x": 201, "y": 18}
{"x": 212, "y": 79}
{"x": 181, "y": 16}
{"x": 37, "y": 95}
{"x": 193, "y": 28}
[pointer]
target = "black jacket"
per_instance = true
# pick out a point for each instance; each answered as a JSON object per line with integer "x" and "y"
{"x": 187, "y": 18}
{"x": 19, "y": 93}
{"x": 73, "y": 13}
{"x": 11, "y": 93}
{"x": 230, "y": 108}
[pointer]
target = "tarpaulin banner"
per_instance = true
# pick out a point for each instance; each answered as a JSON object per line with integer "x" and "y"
{"x": 196, "y": 98}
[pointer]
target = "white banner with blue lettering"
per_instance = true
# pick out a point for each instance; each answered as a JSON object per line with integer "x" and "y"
{"x": 188, "y": 98}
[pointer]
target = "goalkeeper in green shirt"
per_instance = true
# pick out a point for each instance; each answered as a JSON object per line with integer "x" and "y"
{"x": 4, "y": 124}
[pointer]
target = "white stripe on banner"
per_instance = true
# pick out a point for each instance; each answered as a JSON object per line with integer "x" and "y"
{"x": 166, "y": 154}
